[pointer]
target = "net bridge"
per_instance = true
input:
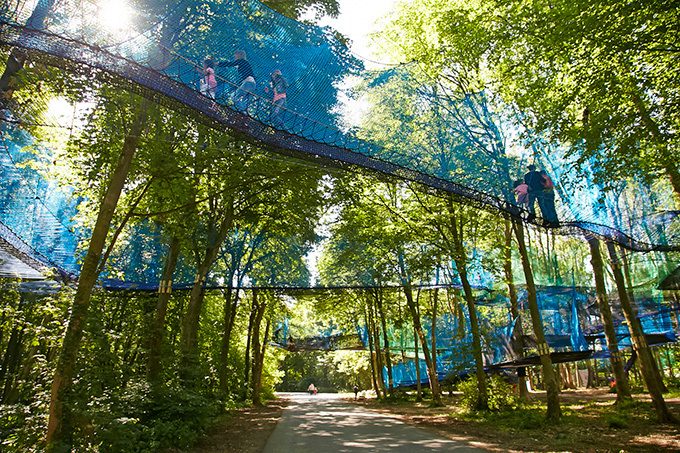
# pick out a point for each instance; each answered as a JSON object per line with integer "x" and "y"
{"x": 164, "y": 57}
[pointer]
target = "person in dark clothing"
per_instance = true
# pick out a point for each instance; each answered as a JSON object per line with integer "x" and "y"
{"x": 546, "y": 201}
{"x": 243, "y": 95}
{"x": 533, "y": 179}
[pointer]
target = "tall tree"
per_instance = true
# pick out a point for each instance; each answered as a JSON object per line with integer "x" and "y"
{"x": 637, "y": 335}
{"x": 622, "y": 386}
{"x": 549, "y": 378}
{"x": 514, "y": 305}
{"x": 58, "y": 429}
{"x": 164, "y": 293}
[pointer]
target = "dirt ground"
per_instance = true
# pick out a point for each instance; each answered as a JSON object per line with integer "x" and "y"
{"x": 243, "y": 431}
{"x": 584, "y": 428}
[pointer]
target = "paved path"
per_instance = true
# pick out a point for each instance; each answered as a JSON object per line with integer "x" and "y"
{"x": 327, "y": 424}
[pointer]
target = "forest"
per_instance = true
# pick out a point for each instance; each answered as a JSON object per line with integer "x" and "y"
{"x": 159, "y": 269}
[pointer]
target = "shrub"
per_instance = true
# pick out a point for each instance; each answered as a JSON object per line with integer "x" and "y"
{"x": 530, "y": 419}
{"x": 141, "y": 419}
{"x": 500, "y": 393}
{"x": 22, "y": 427}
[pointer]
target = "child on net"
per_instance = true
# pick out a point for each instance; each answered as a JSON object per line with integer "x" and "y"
{"x": 522, "y": 193}
{"x": 208, "y": 81}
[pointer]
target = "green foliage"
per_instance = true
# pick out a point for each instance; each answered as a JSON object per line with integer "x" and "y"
{"x": 140, "y": 418}
{"x": 601, "y": 82}
{"x": 330, "y": 371}
{"x": 22, "y": 426}
{"x": 501, "y": 394}
{"x": 37, "y": 323}
{"x": 673, "y": 386}
{"x": 523, "y": 418}
{"x": 530, "y": 419}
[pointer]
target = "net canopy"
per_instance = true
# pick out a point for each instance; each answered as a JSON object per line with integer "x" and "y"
{"x": 570, "y": 321}
{"x": 570, "y": 318}
{"x": 457, "y": 143}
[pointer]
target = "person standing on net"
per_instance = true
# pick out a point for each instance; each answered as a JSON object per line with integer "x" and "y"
{"x": 522, "y": 193}
{"x": 208, "y": 83}
{"x": 547, "y": 201}
{"x": 243, "y": 95}
{"x": 279, "y": 85}
{"x": 533, "y": 180}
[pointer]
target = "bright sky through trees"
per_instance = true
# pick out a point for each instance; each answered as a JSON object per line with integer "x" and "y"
{"x": 114, "y": 15}
{"x": 357, "y": 20}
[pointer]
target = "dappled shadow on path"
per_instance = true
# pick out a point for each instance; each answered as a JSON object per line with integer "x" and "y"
{"x": 327, "y": 423}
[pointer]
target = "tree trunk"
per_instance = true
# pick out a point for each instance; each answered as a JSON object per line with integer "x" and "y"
{"x": 514, "y": 307}
{"x": 433, "y": 332}
{"x": 191, "y": 321}
{"x": 549, "y": 378}
{"x": 378, "y": 354}
{"x": 57, "y": 429}
{"x": 164, "y": 291}
{"x": 483, "y": 400}
{"x": 249, "y": 341}
{"x": 622, "y": 385}
{"x": 419, "y": 385}
{"x": 460, "y": 259}
{"x": 386, "y": 341}
{"x": 432, "y": 375}
{"x": 371, "y": 349}
{"x": 637, "y": 337}
{"x": 258, "y": 349}
{"x": 10, "y": 361}
{"x": 229, "y": 319}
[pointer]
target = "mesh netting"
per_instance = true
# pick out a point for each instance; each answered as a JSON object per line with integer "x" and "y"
{"x": 570, "y": 318}
{"x": 572, "y": 327}
{"x": 35, "y": 215}
{"x": 453, "y": 143}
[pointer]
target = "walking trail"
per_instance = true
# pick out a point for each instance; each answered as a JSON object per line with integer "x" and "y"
{"x": 327, "y": 423}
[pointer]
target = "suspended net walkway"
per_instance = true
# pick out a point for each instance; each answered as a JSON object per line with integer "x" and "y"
{"x": 459, "y": 147}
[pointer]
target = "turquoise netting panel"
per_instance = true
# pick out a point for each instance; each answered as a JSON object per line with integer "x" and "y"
{"x": 38, "y": 214}
{"x": 570, "y": 322}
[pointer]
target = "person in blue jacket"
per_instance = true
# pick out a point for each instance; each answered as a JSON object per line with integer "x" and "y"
{"x": 243, "y": 95}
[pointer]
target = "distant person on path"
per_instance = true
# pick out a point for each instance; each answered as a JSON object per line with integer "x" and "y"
{"x": 279, "y": 85}
{"x": 311, "y": 389}
{"x": 208, "y": 84}
{"x": 243, "y": 95}
{"x": 356, "y": 391}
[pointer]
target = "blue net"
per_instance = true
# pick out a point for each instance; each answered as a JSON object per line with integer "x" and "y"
{"x": 296, "y": 338}
{"x": 190, "y": 56}
{"x": 571, "y": 324}
{"x": 36, "y": 217}
{"x": 570, "y": 318}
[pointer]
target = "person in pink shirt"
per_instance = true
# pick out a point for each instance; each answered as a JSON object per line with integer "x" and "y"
{"x": 522, "y": 193}
{"x": 279, "y": 85}
{"x": 208, "y": 81}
